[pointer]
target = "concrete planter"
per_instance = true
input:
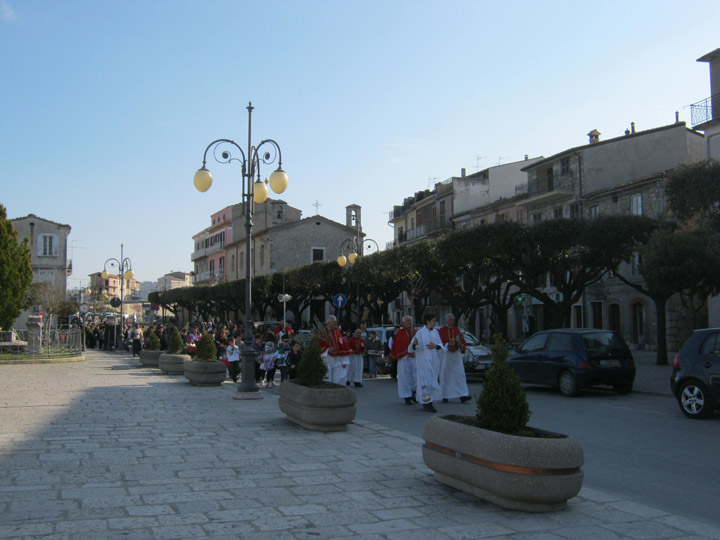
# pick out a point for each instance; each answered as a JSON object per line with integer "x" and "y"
{"x": 201, "y": 373}
{"x": 173, "y": 364}
{"x": 150, "y": 358}
{"x": 532, "y": 474}
{"x": 330, "y": 407}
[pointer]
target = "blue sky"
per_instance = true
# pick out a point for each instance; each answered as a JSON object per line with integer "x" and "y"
{"x": 108, "y": 105}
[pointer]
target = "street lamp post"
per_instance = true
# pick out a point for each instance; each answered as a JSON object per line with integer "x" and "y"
{"x": 252, "y": 192}
{"x": 358, "y": 250}
{"x": 124, "y": 266}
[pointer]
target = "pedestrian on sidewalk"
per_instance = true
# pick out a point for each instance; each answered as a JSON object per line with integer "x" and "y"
{"x": 269, "y": 350}
{"x": 428, "y": 347}
{"x": 293, "y": 359}
{"x": 137, "y": 336}
{"x": 405, "y": 360}
{"x": 232, "y": 353}
{"x": 452, "y": 371}
{"x": 281, "y": 356}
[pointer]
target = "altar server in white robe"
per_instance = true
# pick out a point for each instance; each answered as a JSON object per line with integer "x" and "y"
{"x": 452, "y": 372}
{"x": 428, "y": 349}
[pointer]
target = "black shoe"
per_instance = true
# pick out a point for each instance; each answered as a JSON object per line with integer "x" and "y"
{"x": 445, "y": 400}
{"x": 464, "y": 399}
{"x": 347, "y": 383}
{"x": 414, "y": 398}
{"x": 429, "y": 407}
{"x": 408, "y": 401}
{"x": 358, "y": 385}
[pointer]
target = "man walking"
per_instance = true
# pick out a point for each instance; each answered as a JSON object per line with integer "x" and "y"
{"x": 406, "y": 364}
{"x": 452, "y": 372}
{"x": 336, "y": 352}
{"x": 428, "y": 348}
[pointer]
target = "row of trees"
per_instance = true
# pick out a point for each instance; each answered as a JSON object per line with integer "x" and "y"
{"x": 490, "y": 265}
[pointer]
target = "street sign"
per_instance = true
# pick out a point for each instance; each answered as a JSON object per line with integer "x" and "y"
{"x": 115, "y": 302}
{"x": 339, "y": 300}
{"x": 84, "y": 308}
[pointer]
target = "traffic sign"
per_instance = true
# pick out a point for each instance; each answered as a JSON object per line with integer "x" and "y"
{"x": 339, "y": 300}
{"x": 84, "y": 308}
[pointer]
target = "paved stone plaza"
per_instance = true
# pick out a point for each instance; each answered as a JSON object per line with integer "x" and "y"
{"x": 104, "y": 449}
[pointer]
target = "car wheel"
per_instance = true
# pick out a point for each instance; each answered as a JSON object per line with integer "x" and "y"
{"x": 568, "y": 384}
{"x": 694, "y": 400}
{"x": 624, "y": 388}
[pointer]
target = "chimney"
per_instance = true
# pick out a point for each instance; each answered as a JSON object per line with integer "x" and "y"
{"x": 526, "y": 157}
{"x": 627, "y": 132}
{"x": 632, "y": 127}
{"x": 594, "y": 136}
{"x": 677, "y": 117}
{"x": 462, "y": 172}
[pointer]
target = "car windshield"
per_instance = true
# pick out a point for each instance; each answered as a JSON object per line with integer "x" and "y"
{"x": 602, "y": 342}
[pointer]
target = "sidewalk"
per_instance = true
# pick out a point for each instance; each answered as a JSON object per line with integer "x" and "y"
{"x": 103, "y": 449}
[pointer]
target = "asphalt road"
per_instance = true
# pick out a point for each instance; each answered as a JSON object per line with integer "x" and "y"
{"x": 638, "y": 445}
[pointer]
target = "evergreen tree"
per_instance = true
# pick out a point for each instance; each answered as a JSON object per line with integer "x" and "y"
{"x": 175, "y": 342}
{"x": 15, "y": 271}
{"x": 206, "y": 349}
{"x": 311, "y": 369}
{"x": 502, "y": 405}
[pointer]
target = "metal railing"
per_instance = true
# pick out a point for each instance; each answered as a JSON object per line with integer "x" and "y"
{"x": 48, "y": 343}
{"x": 702, "y": 111}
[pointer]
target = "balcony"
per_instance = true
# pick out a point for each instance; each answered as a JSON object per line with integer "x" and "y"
{"x": 211, "y": 276}
{"x": 439, "y": 224}
{"x": 546, "y": 189}
{"x": 204, "y": 252}
{"x": 702, "y": 111}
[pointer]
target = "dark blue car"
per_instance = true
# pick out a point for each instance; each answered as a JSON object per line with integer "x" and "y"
{"x": 695, "y": 380}
{"x": 572, "y": 359}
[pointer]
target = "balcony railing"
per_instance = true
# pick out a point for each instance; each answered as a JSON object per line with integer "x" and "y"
{"x": 434, "y": 225}
{"x": 209, "y": 277}
{"x": 539, "y": 186}
{"x": 204, "y": 252}
{"x": 702, "y": 111}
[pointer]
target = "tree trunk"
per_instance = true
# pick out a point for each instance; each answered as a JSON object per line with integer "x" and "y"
{"x": 661, "y": 331}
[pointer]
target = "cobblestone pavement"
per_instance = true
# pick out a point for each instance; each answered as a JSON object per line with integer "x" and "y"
{"x": 104, "y": 449}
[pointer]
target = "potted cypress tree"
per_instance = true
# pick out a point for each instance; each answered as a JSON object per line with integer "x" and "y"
{"x": 496, "y": 456}
{"x": 312, "y": 402}
{"x": 150, "y": 353}
{"x": 205, "y": 369}
{"x": 173, "y": 361}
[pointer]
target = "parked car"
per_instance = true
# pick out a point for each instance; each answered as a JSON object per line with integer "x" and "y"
{"x": 572, "y": 359}
{"x": 695, "y": 380}
{"x": 477, "y": 358}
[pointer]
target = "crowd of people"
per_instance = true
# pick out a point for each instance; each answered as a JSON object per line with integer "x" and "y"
{"x": 427, "y": 362}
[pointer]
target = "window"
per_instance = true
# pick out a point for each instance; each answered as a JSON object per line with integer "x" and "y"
{"x": 565, "y": 166}
{"x": 279, "y": 212}
{"x": 242, "y": 258}
{"x": 594, "y": 211}
{"x": 597, "y": 314}
{"x": 537, "y": 217}
{"x": 318, "y": 254}
{"x": 558, "y": 212}
{"x": 48, "y": 245}
{"x": 574, "y": 210}
{"x": 560, "y": 343}
{"x": 636, "y": 208}
{"x": 709, "y": 346}
{"x": 262, "y": 254}
{"x": 636, "y": 262}
{"x": 535, "y": 343}
{"x": 550, "y": 182}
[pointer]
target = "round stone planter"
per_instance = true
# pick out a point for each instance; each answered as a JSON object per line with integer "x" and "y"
{"x": 329, "y": 407}
{"x": 532, "y": 474}
{"x": 173, "y": 364}
{"x": 201, "y": 373}
{"x": 150, "y": 358}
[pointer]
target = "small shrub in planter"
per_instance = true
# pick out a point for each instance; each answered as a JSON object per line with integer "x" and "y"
{"x": 206, "y": 350}
{"x": 502, "y": 405}
{"x": 152, "y": 342}
{"x": 175, "y": 342}
{"x": 311, "y": 369}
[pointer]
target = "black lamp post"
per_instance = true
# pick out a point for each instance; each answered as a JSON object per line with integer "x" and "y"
{"x": 124, "y": 266}
{"x": 252, "y": 192}
{"x": 358, "y": 250}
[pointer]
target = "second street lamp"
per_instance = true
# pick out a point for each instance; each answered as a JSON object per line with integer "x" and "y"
{"x": 124, "y": 266}
{"x": 252, "y": 192}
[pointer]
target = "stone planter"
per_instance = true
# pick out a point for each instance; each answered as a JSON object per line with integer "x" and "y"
{"x": 533, "y": 474}
{"x": 330, "y": 407}
{"x": 173, "y": 364}
{"x": 150, "y": 358}
{"x": 205, "y": 373}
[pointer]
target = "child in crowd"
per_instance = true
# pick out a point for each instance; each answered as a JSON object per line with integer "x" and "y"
{"x": 293, "y": 359}
{"x": 233, "y": 358}
{"x": 269, "y": 351}
{"x": 281, "y": 356}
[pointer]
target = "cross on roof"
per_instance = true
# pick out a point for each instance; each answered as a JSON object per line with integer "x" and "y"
{"x": 317, "y": 205}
